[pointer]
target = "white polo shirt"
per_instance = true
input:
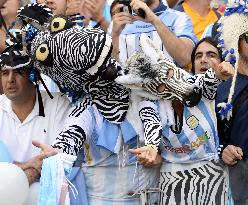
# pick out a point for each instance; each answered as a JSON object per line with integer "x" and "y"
{"x": 18, "y": 136}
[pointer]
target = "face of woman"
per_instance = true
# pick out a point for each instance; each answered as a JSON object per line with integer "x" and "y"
{"x": 10, "y": 8}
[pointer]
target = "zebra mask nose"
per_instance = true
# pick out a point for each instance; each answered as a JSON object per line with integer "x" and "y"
{"x": 194, "y": 98}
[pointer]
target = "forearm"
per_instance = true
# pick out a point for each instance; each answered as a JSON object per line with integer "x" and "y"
{"x": 180, "y": 49}
{"x": 104, "y": 24}
{"x": 71, "y": 140}
{"x": 115, "y": 43}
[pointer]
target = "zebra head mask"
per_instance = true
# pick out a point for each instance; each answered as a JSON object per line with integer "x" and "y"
{"x": 148, "y": 70}
{"x": 78, "y": 59}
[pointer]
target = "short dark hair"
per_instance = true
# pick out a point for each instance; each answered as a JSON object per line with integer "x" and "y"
{"x": 113, "y": 4}
{"x": 212, "y": 42}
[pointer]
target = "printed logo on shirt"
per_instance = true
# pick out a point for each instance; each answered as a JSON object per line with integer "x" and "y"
{"x": 201, "y": 140}
{"x": 192, "y": 122}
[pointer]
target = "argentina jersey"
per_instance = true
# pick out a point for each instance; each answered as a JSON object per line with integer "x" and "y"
{"x": 107, "y": 144}
{"x": 178, "y": 23}
{"x": 197, "y": 140}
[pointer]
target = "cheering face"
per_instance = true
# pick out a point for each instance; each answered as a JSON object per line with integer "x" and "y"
{"x": 204, "y": 56}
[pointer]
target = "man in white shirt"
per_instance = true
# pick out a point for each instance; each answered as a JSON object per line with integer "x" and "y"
{"x": 26, "y": 114}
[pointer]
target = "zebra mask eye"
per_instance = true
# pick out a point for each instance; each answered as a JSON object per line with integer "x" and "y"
{"x": 58, "y": 24}
{"x": 43, "y": 55}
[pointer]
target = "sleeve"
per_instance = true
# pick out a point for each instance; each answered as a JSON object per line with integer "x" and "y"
{"x": 151, "y": 121}
{"x": 75, "y": 131}
{"x": 207, "y": 82}
{"x": 183, "y": 27}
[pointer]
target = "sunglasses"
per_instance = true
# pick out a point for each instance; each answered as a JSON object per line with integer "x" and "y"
{"x": 245, "y": 37}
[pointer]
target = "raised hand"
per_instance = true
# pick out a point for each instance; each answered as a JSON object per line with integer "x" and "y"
{"x": 147, "y": 156}
{"x": 231, "y": 154}
{"x": 223, "y": 70}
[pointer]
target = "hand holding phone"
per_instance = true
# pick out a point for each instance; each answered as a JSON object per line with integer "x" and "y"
{"x": 128, "y": 9}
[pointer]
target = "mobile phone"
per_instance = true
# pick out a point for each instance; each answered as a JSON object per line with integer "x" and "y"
{"x": 126, "y": 6}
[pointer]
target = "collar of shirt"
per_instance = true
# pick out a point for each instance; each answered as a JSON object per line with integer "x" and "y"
{"x": 5, "y": 104}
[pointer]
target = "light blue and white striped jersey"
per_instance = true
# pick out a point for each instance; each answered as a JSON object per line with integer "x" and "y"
{"x": 107, "y": 143}
{"x": 198, "y": 139}
{"x": 178, "y": 22}
{"x": 111, "y": 177}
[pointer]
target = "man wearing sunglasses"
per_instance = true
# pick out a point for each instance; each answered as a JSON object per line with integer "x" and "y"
{"x": 234, "y": 133}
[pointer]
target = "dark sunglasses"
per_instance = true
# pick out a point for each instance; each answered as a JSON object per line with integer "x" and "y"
{"x": 245, "y": 37}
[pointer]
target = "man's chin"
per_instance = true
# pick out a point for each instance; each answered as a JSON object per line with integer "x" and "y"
{"x": 11, "y": 95}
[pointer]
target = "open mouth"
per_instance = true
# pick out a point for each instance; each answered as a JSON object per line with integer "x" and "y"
{"x": 203, "y": 70}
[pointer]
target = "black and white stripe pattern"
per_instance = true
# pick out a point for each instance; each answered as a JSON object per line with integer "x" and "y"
{"x": 152, "y": 125}
{"x": 71, "y": 140}
{"x": 208, "y": 82}
{"x": 154, "y": 75}
{"x": 86, "y": 102}
{"x": 71, "y": 53}
{"x": 198, "y": 186}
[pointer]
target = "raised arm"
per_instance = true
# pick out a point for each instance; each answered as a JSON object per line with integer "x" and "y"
{"x": 178, "y": 45}
{"x": 210, "y": 80}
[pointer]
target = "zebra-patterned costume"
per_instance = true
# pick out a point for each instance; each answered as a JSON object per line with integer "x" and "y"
{"x": 191, "y": 173}
{"x": 77, "y": 58}
{"x": 190, "y": 142}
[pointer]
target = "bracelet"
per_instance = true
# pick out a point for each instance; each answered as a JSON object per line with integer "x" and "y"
{"x": 153, "y": 147}
{"x": 102, "y": 19}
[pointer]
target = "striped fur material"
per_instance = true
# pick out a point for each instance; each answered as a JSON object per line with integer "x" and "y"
{"x": 68, "y": 62}
{"x": 151, "y": 121}
{"x": 205, "y": 185}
